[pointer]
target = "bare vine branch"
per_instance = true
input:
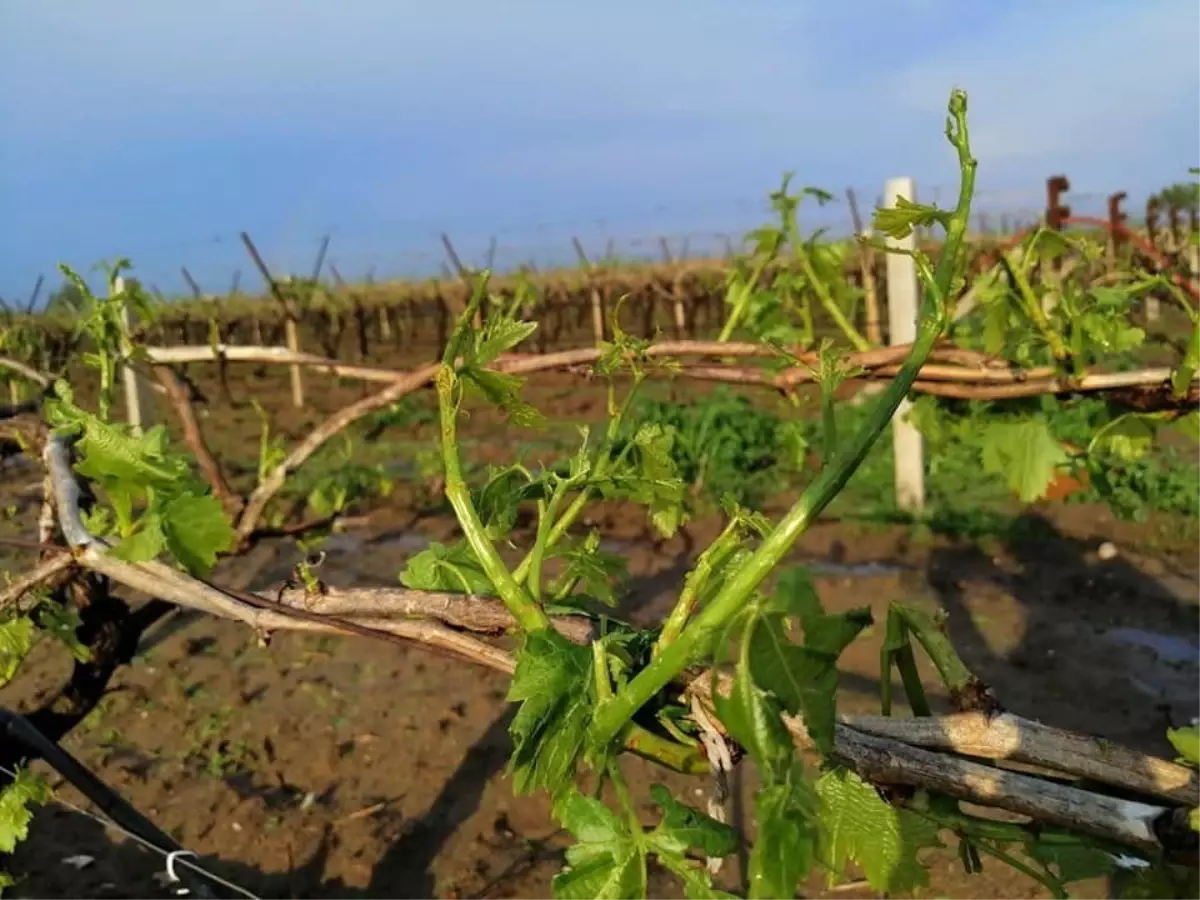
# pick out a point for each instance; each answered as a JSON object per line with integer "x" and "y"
{"x": 194, "y": 437}
{"x": 881, "y": 750}
{"x": 45, "y": 571}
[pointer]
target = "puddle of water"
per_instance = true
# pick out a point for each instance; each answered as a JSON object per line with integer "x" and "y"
{"x": 412, "y": 542}
{"x": 349, "y": 542}
{"x": 1169, "y": 648}
{"x": 855, "y": 570}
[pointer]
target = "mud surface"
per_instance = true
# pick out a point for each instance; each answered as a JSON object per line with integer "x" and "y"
{"x": 341, "y": 767}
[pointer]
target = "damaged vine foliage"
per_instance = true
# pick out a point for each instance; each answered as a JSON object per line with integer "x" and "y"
{"x": 747, "y": 638}
{"x": 579, "y": 706}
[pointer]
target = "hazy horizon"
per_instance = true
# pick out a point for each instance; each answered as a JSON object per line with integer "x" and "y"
{"x": 159, "y": 131}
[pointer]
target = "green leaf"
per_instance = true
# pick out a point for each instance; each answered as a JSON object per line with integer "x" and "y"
{"x": 900, "y": 220}
{"x": 649, "y": 476}
{"x": 454, "y": 569}
{"x": 1127, "y": 438}
{"x": 144, "y": 543}
{"x": 196, "y": 531}
{"x": 598, "y": 570}
{"x": 590, "y": 821}
{"x": 608, "y": 862}
{"x": 612, "y": 876}
{"x": 609, "y": 859}
{"x": 805, "y": 678}
{"x": 62, "y": 623}
{"x": 114, "y": 452}
{"x": 348, "y": 482}
{"x": 16, "y": 640}
{"x": 553, "y": 684}
{"x": 683, "y": 827}
{"x": 1072, "y": 859}
{"x": 504, "y": 391}
{"x": 1154, "y": 882}
{"x": 180, "y": 515}
{"x": 98, "y": 520}
{"x": 795, "y": 594}
{"x": 1186, "y": 742}
{"x": 857, "y": 825}
{"x": 1189, "y": 424}
{"x": 499, "y": 336}
{"x": 1025, "y": 453}
{"x": 784, "y": 850}
{"x": 25, "y": 790}
{"x": 697, "y": 883}
{"x": 499, "y": 500}
{"x": 751, "y": 717}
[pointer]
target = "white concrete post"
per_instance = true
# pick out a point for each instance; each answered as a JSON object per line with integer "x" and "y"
{"x": 137, "y": 390}
{"x": 903, "y": 300}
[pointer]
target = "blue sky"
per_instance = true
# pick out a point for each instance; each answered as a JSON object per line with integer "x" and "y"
{"x": 158, "y": 130}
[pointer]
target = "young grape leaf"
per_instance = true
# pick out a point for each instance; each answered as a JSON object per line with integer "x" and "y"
{"x": 795, "y": 594}
{"x": 180, "y": 515}
{"x": 590, "y": 822}
{"x": 683, "y": 826}
{"x": 751, "y": 716}
{"x": 1025, "y": 453}
{"x": 144, "y": 541}
{"x": 599, "y": 571}
{"x": 16, "y": 640}
{"x": 608, "y": 862}
{"x": 610, "y": 858}
{"x": 785, "y": 847}
{"x": 1104, "y": 324}
{"x": 804, "y": 678}
{"x": 627, "y": 650}
{"x": 857, "y": 825}
{"x": 1073, "y": 859}
{"x": 649, "y": 476}
{"x": 196, "y": 530}
{"x": 1127, "y": 438}
{"x": 1186, "y": 742}
{"x": 499, "y": 500}
{"x": 504, "y": 390}
{"x": 99, "y": 520}
{"x": 553, "y": 683}
{"x": 348, "y": 482}
{"x": 1155, "y": 881}
{"x": 440, "y": 568}
{"x": 697, "y": 883}
{"x": 23, "y": 791}
{"x": 114, "y": 452}
{"x": 62, "y": 623}
{"x": 900, "y": 220}
{"x": 499, "y": 336}
{"x": 1189, "y": 424}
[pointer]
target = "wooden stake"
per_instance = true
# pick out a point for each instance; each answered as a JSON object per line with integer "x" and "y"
{"x": 597, "y": 303}
{"x": 866, "y": 262}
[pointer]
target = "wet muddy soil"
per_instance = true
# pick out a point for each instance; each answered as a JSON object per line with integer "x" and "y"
{"x": 342, "y": 767}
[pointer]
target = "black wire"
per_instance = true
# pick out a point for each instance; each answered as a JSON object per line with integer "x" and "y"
{"x": 17, "y": 728}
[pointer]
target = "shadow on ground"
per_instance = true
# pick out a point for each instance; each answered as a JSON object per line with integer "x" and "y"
{"x": 1063, "y": 637}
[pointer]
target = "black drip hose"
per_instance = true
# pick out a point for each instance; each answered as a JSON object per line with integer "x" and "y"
{"x": 17, "y": 729}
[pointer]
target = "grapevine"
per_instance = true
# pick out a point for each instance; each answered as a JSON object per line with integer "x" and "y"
{"x": 746, "y": 662}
